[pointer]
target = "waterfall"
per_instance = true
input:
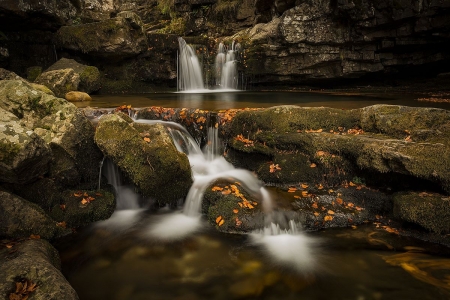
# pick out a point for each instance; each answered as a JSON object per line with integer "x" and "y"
{"x": 226, "y": 66}
{"x": 190, "y": 73}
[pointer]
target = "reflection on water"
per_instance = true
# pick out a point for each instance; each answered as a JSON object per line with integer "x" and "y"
{"x": 109, "y": 264}
{"x": 227, "y": 100}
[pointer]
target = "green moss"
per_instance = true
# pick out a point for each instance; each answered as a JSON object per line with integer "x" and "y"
{"x": 176, "y": 26}
{"x": 89, "y": 76}
{"x": 33, "y": 73}
{"x": 8, "y": 151}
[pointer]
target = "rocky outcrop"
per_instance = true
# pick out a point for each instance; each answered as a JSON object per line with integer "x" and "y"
{"x": 38, "y": 262}
{"x": 328, "y": 145}
{"x": 320, "y": 40}
{"x": 60, "y": 82}
{"x": 44, "y": 15}
{"x": 147, "y": 155}
{"x": 112, "y": 38}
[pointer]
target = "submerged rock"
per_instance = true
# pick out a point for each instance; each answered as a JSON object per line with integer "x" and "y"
{"x": 20, "y": 218}
{"x": 147, "y": 155}
{"x": 38, "y": 262}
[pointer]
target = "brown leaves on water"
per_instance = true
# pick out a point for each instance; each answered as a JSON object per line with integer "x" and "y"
{"x": 23, "y": 289}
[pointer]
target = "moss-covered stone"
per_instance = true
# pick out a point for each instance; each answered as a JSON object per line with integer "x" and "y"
{"x": 98, "y": 205}
{"x": 60, "y": 81}
{"x": 431, "y": 211}
{"x": 33, "y": 73}
{"x": 153, "y": 164}
{"x": 44, "y": 192}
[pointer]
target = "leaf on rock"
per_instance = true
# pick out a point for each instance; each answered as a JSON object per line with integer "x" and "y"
{"x": 313, "y": 165}
{"x": 304, "y": 186}
{"x": 62, "y": 224}
{"x": 218, "y": 219}
{"x": 146, "y": 139}
{"x": 328, "y": 218}
{"x": 292, "y": 190}
{"x": 235, "y": 211}
{"x": 35, "y": 236}
{"x": 78, "y": 194}
{"x": 330, "y": 212}
{"x": 217, "y": 188}
{"x": 221, "y": 222}
{"x": 226, "y": 192}
{"x": 339, "y": 201}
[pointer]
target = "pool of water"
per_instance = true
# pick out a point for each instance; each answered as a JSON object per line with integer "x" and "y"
{"x": 227, "y": 100}
{"x": 119, "y": 261}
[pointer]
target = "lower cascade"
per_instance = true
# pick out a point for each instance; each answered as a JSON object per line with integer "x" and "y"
{"x": 280, "y": 237}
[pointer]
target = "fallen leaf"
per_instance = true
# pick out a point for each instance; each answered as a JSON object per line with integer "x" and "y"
{"x": 320, "y": 186}
{"x": 62, "y": 224}
{"x": 226, "y": 192}
{"x": 352, "y": 184}
{"x": 292, "y": 190}
{"x": 330, "y": 212}
{"x": 217, "y": 188}
{"x": 350, "y": 204}
{"x": 314, "y": 205}
{"x": 62, "y": 206}
{"x": 235, "y": 211}
{"x": 304, "y": 186}
{"x": 304, "y": 193}
{"x": 313, "y": 165}
{"x": 297, "y": 197}
{"x": 354, "y": 227}
{"x": 328, "y": 218}
{"x": 408, "y": 139}
{"x": 78, "y": 194}
{"x": 316, "y": 214}
{"x": 339, "y": 201}
{"x": 221, "y": 222}
{"x": 146, "y": 139}
{"x": 35, "y": 236}
{"x": 330, "y": 191}
{"x": 84, "y": 201}
{"x": 218, "y": 219}
{"x": 320, "y": 153}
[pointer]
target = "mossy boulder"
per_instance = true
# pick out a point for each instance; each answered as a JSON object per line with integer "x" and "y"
{"x": 60, "y": 81}
{"x": 429, "y": 210}
{"x": 45, "y": 192}
{"x": 113, "y": 38}
{"x": 24, "y": 155}
{"x": 147, "y": 155}
{"x": 38, "y": 261}
{"x": 82, "y": 207}
{"x": 90, "y": 79}
{"x": 20, "y": 218}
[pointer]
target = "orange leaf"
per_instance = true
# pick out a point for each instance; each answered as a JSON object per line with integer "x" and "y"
{"x": 316, "y": 214}
{"x": 250, "y": 206}
{"x": 304, "y": 186}
{"x": 352, "y": 184}
{"x": 226, "y": 192}
{"x": 297, "y": 197}
{"x": 217, "y": 188}
{"x": 84, "y": 201}
{"x": 235, "y": 211}
{"x": 330, "y": 212}
{"x": 35, "y": 236}
{"x": 320, "y": 153}
{"x": 147, "y": 139}
{"x": 304, "y": 193}
{"x": 314, "y": 205}
{"x": 85, "y": 194}
{"x": 313, "y": 165}
{"x": 78, "y": 194}
{"x": 350, "y": 204}
{"x": 292, "y": 190}
{"x": 330, "y": 191}
{"x": 320, "y": 186}
{"x": 328, "y": 218}
{"x": 339, "y": 201}
{"x": 61, "y": 224}
{"x": 221, "y": 222}
{"x": 62, "y": 206}
{"x": 218, "y": 219}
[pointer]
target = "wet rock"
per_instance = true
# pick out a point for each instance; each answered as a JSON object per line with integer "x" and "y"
{"x": 89, "y": 75}
{"x": 44, "y": 192}
{"x": 24, "y": 156}
{"x": 429, "y": 210}
{"x": 147, "y": 155}
{"x": 21, "y": 218}
{"x": 77, "y": 97}
{"x": 112, "y": 38}
{"x": 37, "y": 261}
{"x": 60, "y": 81}
{"x": 80, "y": 207}
{"x": 8, "y": 75}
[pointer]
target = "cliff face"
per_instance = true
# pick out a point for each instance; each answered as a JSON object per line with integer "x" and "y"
{"x": 322, "y": 40}
{"x": 286, "y": 41}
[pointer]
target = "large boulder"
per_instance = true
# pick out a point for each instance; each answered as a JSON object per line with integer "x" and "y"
{"x": 60, "y": 124}
{"x": 38, "y": 262}
{"x": 147, "y": 155}
{"x": 112, "y": 38}
{"x": 20, "y": 218}
{"x": 24, "y": 155}
{"x": 89, "y": 76}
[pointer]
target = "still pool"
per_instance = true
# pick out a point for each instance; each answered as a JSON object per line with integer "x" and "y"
{"x": 239, "y": 99}
{"x": 120, "y": 261}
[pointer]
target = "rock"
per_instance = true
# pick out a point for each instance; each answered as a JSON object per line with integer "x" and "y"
{"x": 24, "y": 155}
{"x": 98, "y": 10}
{"x": 21, "y": 218}
{"x": 75, "y": 212}
{"x": 311, "y": 144}
{"x": 60, "y": 81}
{"x": 154, "y": 164}
{"x": 429, "y": 210}
{"x": 37, "y": 261}
{"x": 44, "y": 192}
{"x": 77, "y": 97}
{"x": 60, "y": 124}
{"x": 44, "y": 15}
{"x": 8, "y": 75}
{"x": 89, "y": 76}
{"x": 42, "y": 88}
{"x": 112, "y": 38}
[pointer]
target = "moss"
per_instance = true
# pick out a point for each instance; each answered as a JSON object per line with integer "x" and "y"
{"x": 89, "y": 78}
{"x": 175, "y": 26}
{"x": 8, "y": 151}
{"x": 429, "y": 211}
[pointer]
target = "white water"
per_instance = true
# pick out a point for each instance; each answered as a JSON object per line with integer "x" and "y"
{"x": 190, "y": 73}
{"x": 226, "y": 66}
